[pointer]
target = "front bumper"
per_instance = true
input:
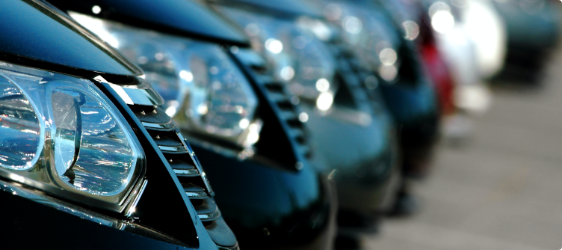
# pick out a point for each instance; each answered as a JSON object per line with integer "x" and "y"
{"x": 359, "y": 157}
{"x": 417, "y": 116}
{"x": 272, "y": 208}
{"x": 31, "y": 220}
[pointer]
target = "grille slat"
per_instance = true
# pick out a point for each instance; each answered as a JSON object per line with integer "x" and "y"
{"x": 186, "y": 172}
{"x": 172, "y": 149}
{"x": 288, "y": 115}
{"x": 194, "y": 191}
{"x": 265, "y": 79}
{"x": 207, "y": 210}
{"x": 163, "y": 140}
{"x": 181, "y": 166}
{"x": 307, "y": 151}
{"x": 278, "y": 97}
{"x": 160, "y": 126}
{"x": 297, "y": 133}
{"x": 151, "y": 114}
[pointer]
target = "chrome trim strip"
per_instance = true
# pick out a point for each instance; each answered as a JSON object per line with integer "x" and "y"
{"x": 141, "y": 94}
{"x": 168, "y": 125}
{"x": 197, "y": 165}
{"x": 210, "y": 216}
{"x": 228, "y": 248}
{"x": 132, "y": 194}
{"x": 40, "y": 197}
{"x": 186, "y": 172}
{"x": 197, "y": 195}
{"x": 351, "y": 116}
{"x": 123, "y": 94}
{"x": 148, "y": 97}
{"x": 173, "y": 149}
{"x": 133, "y": 207}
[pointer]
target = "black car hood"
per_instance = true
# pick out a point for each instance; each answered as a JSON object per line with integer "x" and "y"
{"x": 31, "y": 35}
{"x": 180, "y": 17}
{"x": 278, "y": 7}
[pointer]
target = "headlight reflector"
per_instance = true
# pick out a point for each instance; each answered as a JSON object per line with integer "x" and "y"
{"x": 92, "y": 151}
{"x": 20, "y": 130}
{"x": 58, "y": 132}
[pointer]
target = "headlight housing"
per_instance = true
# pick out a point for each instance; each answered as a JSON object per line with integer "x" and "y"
{"x": 204, "y": 91}
{"x": 372, "y": 39}
{"x": 61, "y": 135}
{"x": 298, "y": 57}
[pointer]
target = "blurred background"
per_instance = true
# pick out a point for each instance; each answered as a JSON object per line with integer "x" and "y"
{"x": 499, "y": 187}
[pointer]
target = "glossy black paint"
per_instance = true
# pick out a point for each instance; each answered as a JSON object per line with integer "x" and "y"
{"x": 360, "y": 157}
{"x": 46, "y": 38}
{"x": 31, "y": 225}
{"x": 286, "y": 207}
{"x": 275, "y": 144}
{"x": 533, "y": 30}
{"x": 288, "y": 196}
{"x": 163, "y": 207}
{"x": 269, "y": 207}
{"x": 418, "y": 120}
{"x": 180, "y": 17}
{"x": 413, "y": 103}
{"x": 535, "y": 24}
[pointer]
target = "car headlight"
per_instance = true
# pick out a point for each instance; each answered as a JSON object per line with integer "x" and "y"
{"x": 61, "y": 135}
{"x": 369, "y": 36}
{"x": 203, "y": 89}
{"x": 297, "y": 56}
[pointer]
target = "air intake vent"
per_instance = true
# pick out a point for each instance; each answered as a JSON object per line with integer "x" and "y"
{"x": 360, "y": 81}
{"x": 277, "y": 93}
{"x": 191, "y": 175}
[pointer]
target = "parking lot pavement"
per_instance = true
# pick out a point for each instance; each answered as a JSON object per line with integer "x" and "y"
{"x": 502, "y": 189}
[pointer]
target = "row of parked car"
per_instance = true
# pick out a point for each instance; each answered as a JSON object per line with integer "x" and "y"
{"x": 227, "y": 124}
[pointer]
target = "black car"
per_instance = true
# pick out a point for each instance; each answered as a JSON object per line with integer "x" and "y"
{"x": 243, "y": 128}
{"x": 382, "y": 47}
{"x": 350, "y": 128}
{"x": 80, "y": 165}
{"x": 533, "y": 30}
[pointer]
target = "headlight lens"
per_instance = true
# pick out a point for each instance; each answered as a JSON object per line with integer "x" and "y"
{"x": 299, "y": 58}
{"x": 370, "y": 37}
{"x": 204, "y": 91}
{"x": 60, "y": 134}
{"x": 21, "y": 132}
